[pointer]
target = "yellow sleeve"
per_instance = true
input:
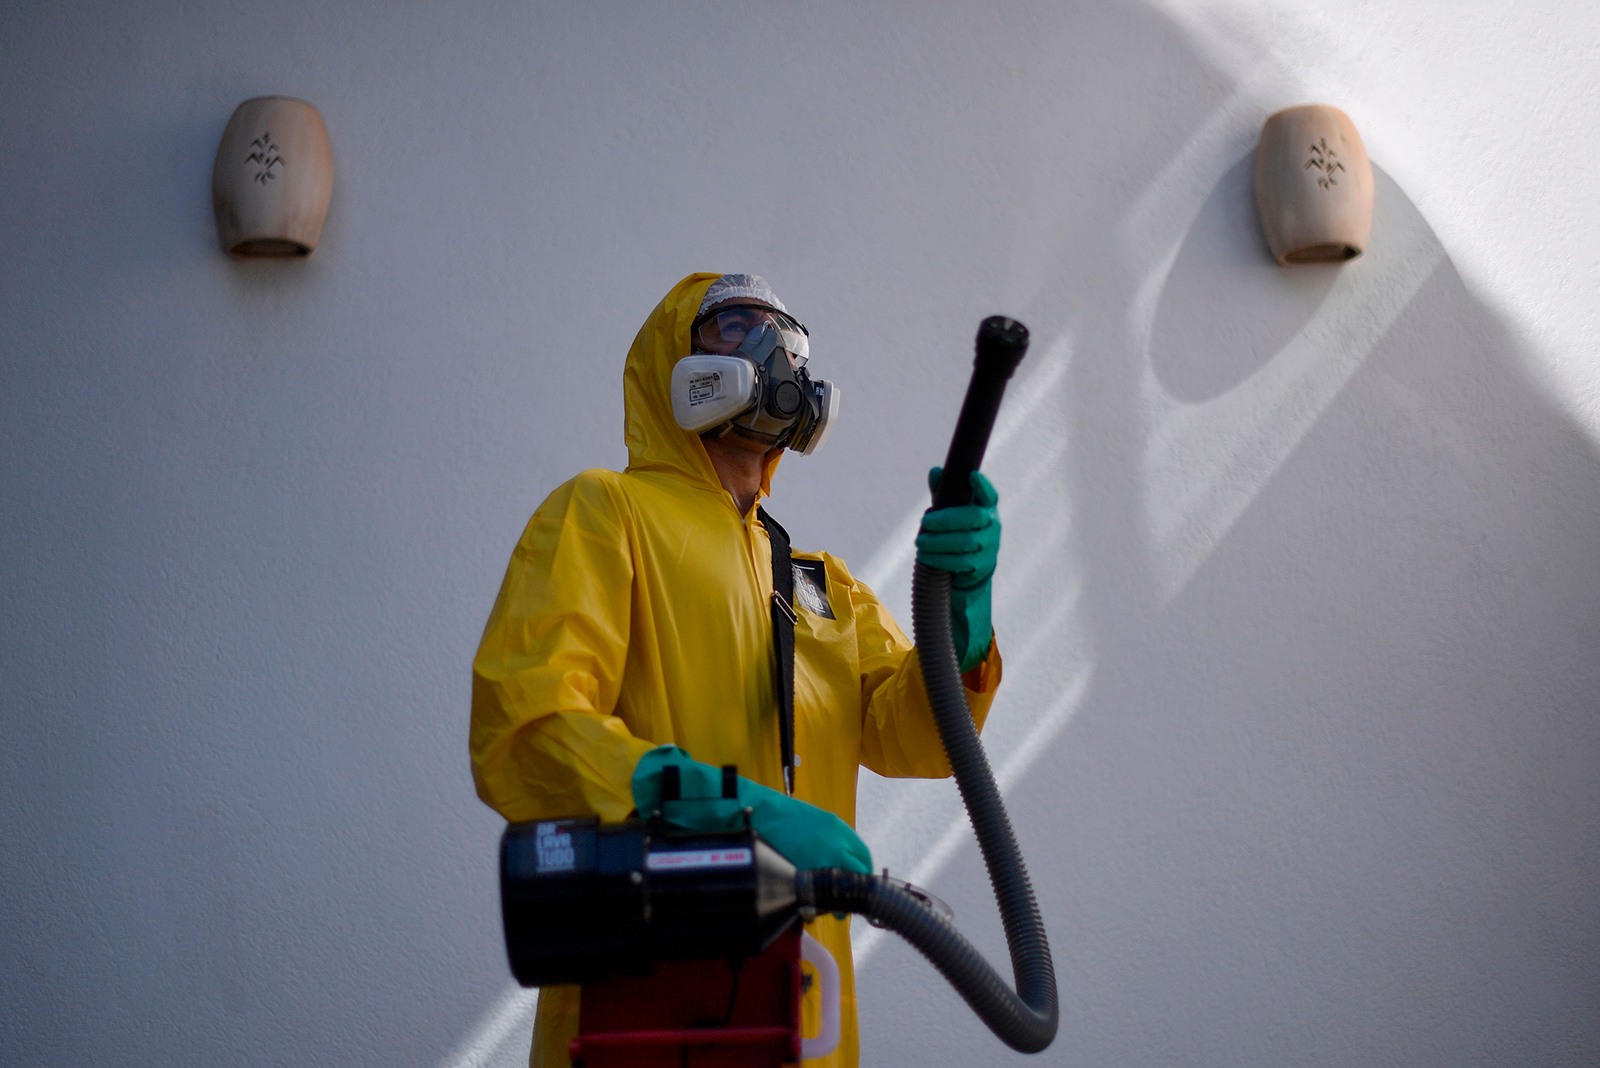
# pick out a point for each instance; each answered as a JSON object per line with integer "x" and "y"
{"x": 545, "y": 681}
{"x": 898, "y": 735}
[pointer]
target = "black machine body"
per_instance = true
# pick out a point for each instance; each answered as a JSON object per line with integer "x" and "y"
{"x": 583, "y": 901}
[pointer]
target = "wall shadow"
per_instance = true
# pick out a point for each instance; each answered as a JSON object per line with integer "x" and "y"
{"x": 1335, "y": 802}
{"x": 1227, "y": 307}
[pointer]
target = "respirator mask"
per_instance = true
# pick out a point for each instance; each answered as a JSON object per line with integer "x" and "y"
{"x": 748, "y": 370}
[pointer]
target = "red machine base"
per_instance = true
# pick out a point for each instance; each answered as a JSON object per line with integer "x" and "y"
{"x": 697, "y": 1014}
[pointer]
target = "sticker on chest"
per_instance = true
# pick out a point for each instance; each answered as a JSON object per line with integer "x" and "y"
{"x": 811, "y": 587}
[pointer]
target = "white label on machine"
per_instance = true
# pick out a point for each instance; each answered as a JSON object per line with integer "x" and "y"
{"x": 698, "y": 858}
{"x": 553, "y": 848}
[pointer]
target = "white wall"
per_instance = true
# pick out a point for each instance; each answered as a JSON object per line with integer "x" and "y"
{"x": 1301, "y": 583}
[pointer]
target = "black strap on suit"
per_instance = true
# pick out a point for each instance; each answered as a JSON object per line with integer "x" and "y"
{"x": 783, "y": 621}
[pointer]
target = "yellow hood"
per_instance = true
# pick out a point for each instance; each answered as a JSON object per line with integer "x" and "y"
{"x": 655, "y": 441}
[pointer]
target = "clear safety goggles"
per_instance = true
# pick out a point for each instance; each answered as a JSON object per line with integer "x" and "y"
{"x": 724, "y": 329}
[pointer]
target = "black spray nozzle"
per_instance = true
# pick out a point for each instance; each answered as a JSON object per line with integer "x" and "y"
{"x": 1000, "y": 346}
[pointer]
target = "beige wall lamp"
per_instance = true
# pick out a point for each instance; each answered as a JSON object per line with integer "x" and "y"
{"x": 1313, "y": 186}
{"x": 272, "y": 179}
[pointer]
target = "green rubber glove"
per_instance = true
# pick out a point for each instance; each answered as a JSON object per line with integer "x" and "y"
{"x": 807, "y": 836}
{"x": 965, "y": 541}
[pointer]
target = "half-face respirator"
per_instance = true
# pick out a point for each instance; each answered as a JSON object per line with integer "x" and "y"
{"x": 759, "y": 383}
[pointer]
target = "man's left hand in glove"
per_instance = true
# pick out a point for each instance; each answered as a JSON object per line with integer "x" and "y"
{"x": 965, "y": 541}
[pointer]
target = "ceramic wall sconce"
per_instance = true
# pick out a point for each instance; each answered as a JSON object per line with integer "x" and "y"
{"x": 1313, "y": 186}
{"x": 272, "y": 179}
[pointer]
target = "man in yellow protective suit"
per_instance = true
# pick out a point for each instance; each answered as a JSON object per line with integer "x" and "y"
{"x": 635, "y": 614}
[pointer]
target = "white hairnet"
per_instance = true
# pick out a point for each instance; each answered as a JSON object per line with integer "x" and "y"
{"x": 733, "y": 286}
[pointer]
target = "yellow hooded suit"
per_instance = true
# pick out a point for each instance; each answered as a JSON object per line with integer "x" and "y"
{"x": 634, "y": 613}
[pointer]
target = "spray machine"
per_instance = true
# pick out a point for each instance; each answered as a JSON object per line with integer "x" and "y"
{"x": 690, "y": 946}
